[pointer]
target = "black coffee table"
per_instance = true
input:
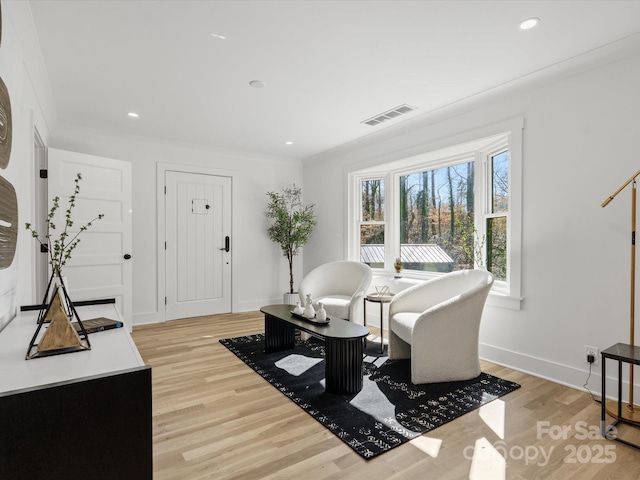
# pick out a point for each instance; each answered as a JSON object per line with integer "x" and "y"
{"x": 343, "y": 345}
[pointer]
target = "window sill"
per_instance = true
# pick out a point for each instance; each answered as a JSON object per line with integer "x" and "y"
{"x": 407, "y": 279}
{"x": 396, "y": 283}
{"x": 501, "y": 300}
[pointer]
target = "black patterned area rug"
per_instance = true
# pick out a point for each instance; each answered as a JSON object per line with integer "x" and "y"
{"x": 389, "y": 411}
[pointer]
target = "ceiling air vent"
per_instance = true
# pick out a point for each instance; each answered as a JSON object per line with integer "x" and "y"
{"x": 390, "y": 114}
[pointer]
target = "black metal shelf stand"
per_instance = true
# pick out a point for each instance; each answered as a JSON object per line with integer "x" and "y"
{"x": 622, "y": 353}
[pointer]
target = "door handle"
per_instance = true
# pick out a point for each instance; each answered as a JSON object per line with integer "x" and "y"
{"x": 127, "y": 256}
{"x": 226, "y": 244}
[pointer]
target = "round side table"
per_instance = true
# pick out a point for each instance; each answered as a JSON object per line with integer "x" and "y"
{"x": 381, "y": 299}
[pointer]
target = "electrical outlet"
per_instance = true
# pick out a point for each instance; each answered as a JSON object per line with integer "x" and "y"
{"x": 595, "y": 351}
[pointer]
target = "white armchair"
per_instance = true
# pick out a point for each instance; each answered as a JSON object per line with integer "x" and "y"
{"x": 340, "y": 286}
{"x": 436, "y": 324}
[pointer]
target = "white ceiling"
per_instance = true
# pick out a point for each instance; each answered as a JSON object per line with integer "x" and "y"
{"x": 327, "y": 65}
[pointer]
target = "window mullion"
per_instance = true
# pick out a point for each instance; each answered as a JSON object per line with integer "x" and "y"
{"x": 392, "y": 247}
{"x": 480, "y": 222}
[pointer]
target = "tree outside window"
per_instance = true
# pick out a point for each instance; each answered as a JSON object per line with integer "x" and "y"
{"x": 436, "y": 207}
{"x": 496, "y": 218}
{"x": 450, "y": 209}
{"x": 437, "y": 215}
{"x": 372, "y": 222}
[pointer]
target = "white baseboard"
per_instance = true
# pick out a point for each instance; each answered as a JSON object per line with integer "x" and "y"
{"x": 158, "y": 317}
{"x": 147, "y": 318}
{"x": 563, "y": 374}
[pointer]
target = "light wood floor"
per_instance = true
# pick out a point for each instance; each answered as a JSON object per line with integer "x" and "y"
{"x": 214, "y": 418}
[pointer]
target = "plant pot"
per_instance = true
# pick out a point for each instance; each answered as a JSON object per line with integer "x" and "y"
{"x": 290, "y": 298}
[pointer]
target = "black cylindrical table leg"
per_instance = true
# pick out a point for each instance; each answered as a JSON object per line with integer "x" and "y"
{"x": 278, "y": 335}
{"x": 343, "y": 365}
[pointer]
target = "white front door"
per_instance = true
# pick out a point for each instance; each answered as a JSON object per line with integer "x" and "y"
{"x": 100, "y": 266}
{"x": 198, "y": 244}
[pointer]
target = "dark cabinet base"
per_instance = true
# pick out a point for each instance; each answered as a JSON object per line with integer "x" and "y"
{"x": 98, "y": 428}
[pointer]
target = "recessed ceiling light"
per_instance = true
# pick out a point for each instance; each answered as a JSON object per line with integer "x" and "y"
{"x": 133, "y": 115}
{"x": 288, "y": 143}
{"x": 257, "y": 84}
{"x": 221, "y": 37}
{"x": 529, "y": 23}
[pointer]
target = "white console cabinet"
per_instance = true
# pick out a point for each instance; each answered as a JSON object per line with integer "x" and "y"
{"x": 77, "y": 415}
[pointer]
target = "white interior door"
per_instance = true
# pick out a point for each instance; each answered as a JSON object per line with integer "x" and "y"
{"x": 99, "y": 267}
{"x": 198, "y": 244}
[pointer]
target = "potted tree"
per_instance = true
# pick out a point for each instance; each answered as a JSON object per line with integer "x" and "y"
{"x": 292, "y": 227}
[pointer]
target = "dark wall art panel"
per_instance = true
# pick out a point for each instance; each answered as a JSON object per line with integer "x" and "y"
{"x": 8, "y": 223}
{"x": 5, "y": 125}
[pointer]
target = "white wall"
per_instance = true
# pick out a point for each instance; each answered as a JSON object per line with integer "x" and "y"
{"x": 581, "y": 141}
{"x": 21, "y": 67}
{"x": 260, "y": 272}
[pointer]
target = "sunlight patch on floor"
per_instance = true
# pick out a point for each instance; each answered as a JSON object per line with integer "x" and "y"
{"x": 487, "y": 463}
{"x": 430, "y": 446}
{"x": 493, "y": 414}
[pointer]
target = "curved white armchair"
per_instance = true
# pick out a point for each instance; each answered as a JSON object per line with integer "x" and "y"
{"x": 436, "y": 324}
{"x": 340, "y": 286}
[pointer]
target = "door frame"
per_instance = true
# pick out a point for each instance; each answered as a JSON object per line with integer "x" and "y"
{"x": 41, "y": 207}
{"x": 161, "y": 169}
{"x": 57, "y": 161}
